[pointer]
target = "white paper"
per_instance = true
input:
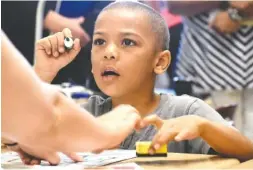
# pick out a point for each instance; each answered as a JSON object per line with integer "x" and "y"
{"x": 126, "y": 166}
{"x": 11, "y": 160}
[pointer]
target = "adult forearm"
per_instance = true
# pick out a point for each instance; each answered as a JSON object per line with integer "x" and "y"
{"x": 227, "y": 140}
{"x": 53, "y": 21}
{"x": 47, "y": 77}
{"x": 37, "y": 114}
{"x": 24, "y": 104}
{"x": 189, "y": 8}
{"x": 75, "y": 129}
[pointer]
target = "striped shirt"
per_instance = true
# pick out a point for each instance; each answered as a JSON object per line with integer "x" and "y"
{"x": 215, "y": 61}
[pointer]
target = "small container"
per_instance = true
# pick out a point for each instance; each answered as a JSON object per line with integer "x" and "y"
{"x": 68, "y": 43}
{"x": 142, "y": 148}
{"x": 80, "y": 97}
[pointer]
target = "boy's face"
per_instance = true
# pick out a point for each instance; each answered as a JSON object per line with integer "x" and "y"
{"x": 123, "y": 52}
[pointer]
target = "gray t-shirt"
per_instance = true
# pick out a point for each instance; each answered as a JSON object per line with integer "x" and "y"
{"x": 169, "y": 107}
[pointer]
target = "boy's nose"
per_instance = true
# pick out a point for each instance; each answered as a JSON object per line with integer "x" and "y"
{"x": 109, "y": 57}
{"x": 111, "y": 52}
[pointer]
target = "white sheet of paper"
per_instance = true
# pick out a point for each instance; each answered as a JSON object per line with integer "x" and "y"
{"x": 126, "y": 166}
{"x": 11, "y": 160}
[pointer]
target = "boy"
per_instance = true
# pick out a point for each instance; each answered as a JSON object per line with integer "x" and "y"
{"x": 130, "y": 47}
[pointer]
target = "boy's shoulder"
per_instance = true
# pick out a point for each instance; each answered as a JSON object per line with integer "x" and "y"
{"x": 174, "y": 106}
{"x": 98, "y": 105}
{"x": 170, "y": 107}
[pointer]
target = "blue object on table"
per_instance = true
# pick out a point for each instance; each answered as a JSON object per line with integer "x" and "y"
{"x": 79, "y": 95}
{"x": 76, "y": 8}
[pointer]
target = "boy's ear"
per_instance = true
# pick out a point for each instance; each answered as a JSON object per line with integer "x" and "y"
{"x": 162, "y": 62}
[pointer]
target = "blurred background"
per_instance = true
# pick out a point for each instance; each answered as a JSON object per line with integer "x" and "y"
{"x": 211, "y": 46}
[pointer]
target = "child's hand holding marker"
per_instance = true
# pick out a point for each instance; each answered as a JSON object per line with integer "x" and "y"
{"x": 54, "y": 52}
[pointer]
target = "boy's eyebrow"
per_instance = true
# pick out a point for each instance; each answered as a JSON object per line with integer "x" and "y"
{"x": 125, "y": 33}
{"x": 98, "y": 32}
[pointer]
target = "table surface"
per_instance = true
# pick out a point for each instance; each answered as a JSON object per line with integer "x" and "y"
{"x": 244, "y": 165}
{"x": 179, "y": 161}
{"x": 191, "y": 161}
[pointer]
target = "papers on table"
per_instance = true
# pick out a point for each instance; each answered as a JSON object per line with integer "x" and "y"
{"x": 11, "y": 160}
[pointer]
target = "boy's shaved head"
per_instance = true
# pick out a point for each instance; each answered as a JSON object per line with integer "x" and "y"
{"x": 130, "y": 47}
{"x": 158, "y": 24}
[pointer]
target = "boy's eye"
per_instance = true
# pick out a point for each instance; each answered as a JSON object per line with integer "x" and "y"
{"x": 99, "y": 41}
{"x": 128, "y": 42}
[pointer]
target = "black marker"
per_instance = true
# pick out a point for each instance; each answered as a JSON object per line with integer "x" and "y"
{"x": 68, "y": 43}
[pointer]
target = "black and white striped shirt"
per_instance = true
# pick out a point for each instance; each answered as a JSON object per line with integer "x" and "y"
{"x": 215, "y": 61}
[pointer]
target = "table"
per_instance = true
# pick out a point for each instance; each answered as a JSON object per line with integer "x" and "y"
{"x": 244, "y": 165}
{"x": 189, "y": 161}
{"x": 179, "y": 161}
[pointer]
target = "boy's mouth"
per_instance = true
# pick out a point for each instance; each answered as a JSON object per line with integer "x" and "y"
{"x": 109, "y": 72}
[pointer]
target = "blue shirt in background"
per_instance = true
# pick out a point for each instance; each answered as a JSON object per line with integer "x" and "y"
{"x": 76, "y": 8}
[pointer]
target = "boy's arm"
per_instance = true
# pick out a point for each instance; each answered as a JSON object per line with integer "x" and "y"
{"x": 56, "y": 23}
{"x": 190, "y": 8}
{"x": 217, "y": 133}
{"x": 227, "y": 140}
{"x": 204, "y": 129}
{"x": 51, "y": 55}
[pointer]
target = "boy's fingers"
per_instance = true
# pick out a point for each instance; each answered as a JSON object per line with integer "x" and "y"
{"x": 139, "y": 125}
{"x": 137, "y": 120}
{"x": 154, "y": 142}
{"x": 76, "y": 49}
{"x": 161, "y": 138}
{"x": 74, "y": 157}
{"x": 156, "y": 139}
{"x": 54, "y": 45}
{"x": 154, "y": 120}
{"x": 77, "y": 46}
{"x": 185, "y": 134}
{"x": 60, "y": 40}
{"x": 44, "y": 44}
{"x": 67, "y": 32}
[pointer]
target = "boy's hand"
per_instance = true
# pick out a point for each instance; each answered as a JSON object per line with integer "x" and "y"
{"x": 178, "y": 129}
{"x": 51, "y": 55}
{"x": 56, "y": 22}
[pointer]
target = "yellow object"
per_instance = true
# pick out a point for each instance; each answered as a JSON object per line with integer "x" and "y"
{"x": 142, "y": 148}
